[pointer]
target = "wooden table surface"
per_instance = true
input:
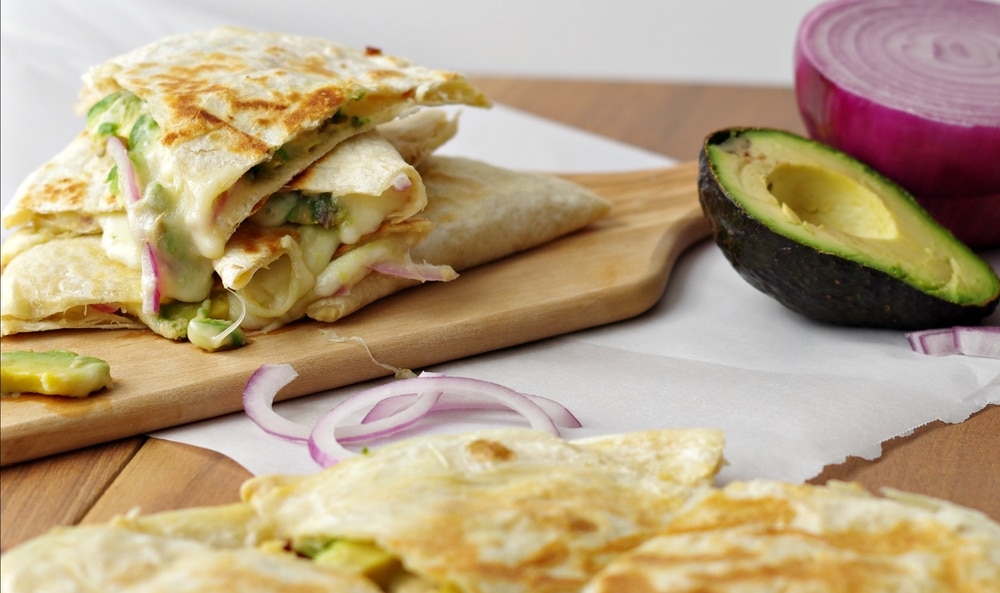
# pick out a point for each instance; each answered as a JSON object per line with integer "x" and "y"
{"x": 958, "y": 462}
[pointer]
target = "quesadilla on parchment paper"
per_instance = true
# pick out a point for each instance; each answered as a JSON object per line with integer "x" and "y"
{"x": 509, "y": 509}
{"x": 240, "y": 177}
{"x": 795, "y": 538}
{"x": 513, "y": 510}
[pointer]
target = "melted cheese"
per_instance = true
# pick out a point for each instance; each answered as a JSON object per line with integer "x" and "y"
{"x": 348, "y": 269}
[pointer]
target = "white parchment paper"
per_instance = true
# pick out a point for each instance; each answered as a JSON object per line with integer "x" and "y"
{"x": 792, "y": 396}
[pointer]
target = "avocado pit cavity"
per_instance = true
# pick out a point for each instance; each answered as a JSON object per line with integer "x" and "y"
{"x": 830, "y": 200}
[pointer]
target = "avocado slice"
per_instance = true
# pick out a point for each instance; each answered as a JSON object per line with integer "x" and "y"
{"x": 52, "y": 372}
{"x": 832, "y": 239}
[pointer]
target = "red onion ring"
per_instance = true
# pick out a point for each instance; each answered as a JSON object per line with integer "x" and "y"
{"x": 911, "y": 88}
{"x": 979, "y": 341}
{"x": 410, "y": 400}
{"x": 258, "y": 401}
{"x": 324, "y": 443}
{"x": 560, "y": 415}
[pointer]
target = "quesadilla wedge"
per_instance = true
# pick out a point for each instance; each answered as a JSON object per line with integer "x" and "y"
{"x": 203, "y": 127}
{"x": 480, "y": 213}
{"x": 475, "y": 213}
{"x": 506, "y": 509}
{"x": 764, "y": 535}
{"x": 112, "y": 558}
{"x": 493, "y": 510}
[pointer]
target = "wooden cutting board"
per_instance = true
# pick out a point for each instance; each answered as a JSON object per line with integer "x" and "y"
{"x": 613, "y": 270}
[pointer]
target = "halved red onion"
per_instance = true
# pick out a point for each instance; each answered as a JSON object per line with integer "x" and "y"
{"x": 979, "y": 341}
{"x": 413, "y": 271}
{"x": 911, "y": 88}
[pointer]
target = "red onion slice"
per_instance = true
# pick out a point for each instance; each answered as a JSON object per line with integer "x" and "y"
{"x": 560, "y": 415}
{"x": 126, "y": 170}
{"x": 934, "y": 342}
{"x": 151, "y": 277}
{"x": 402, "y": 183}
{"x": 413, "y": 271}
{"x": 324, "y": 442}
{"x": 911, "y": 88}
{"x": 979, "y": 341}
{"x": 328, "y": 435}
{"x": 411, "y": 399}
{"x": 258, "y": 401}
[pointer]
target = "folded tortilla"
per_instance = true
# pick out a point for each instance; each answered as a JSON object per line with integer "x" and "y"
{"x": 765, "y": 535}
{"x": 480, "y": 213}
{"x": 475, "y": 213}
{"x": 111, "y": 558}
{"x": 68, "y": 194}
{"x": 509, "y": 509}
{"x": 203, "y": 127}
{"x": 241, "y": 112}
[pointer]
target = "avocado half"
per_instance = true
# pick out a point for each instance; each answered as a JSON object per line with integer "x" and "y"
{"x": 832, "y": 239}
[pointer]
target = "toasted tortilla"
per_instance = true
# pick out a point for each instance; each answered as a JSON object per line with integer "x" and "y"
{"x": 499, "y": 509}
{"x": 480, "y": 213}
{"x": 229, "y": 100}
{"x": 765, "y": 535}
{"x": 67, "y": 282}
{"x": 70, "y": 194}
{"x": 113, "y": 558}
{"x": 67, "y": 194}
{"x": 511, "y": 510}
{"x": 508, "y": 509}
{"x": 476, "y": 213}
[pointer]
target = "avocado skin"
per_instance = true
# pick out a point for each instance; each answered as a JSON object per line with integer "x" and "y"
{"x": 822, "y": 286}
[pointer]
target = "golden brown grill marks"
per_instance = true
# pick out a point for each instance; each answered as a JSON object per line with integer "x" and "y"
{"x": 316, "y": 105}
{"x": 487, "y": 451}
{"x": 253, "y": 239}
{"x": 64, "y": 190}
{"x": 198, "y": 96}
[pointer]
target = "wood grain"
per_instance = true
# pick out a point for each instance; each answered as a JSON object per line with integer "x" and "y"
{"x": 614, "y": 269}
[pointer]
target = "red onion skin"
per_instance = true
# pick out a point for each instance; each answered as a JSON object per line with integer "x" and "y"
{"x": 952, "y": 171}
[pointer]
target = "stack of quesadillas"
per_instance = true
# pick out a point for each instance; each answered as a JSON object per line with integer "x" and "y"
{"x": 517, "y": 510}
{"x": 234, "y": 178}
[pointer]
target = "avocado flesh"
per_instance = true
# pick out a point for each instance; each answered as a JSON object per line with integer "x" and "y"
{"x": 53, "y": 372}
{"x": 830, "y": 238}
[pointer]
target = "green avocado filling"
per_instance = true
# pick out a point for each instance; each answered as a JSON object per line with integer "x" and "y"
{"x": 306, "y": 209}
{"x": 372, "y": 562}
{"x": 207, "y": 324}
{"x": 183, "y": 272}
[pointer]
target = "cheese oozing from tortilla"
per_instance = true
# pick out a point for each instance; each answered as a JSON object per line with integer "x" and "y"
{"x": 358, "y": 186}
{"x": 216, "y": 121}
